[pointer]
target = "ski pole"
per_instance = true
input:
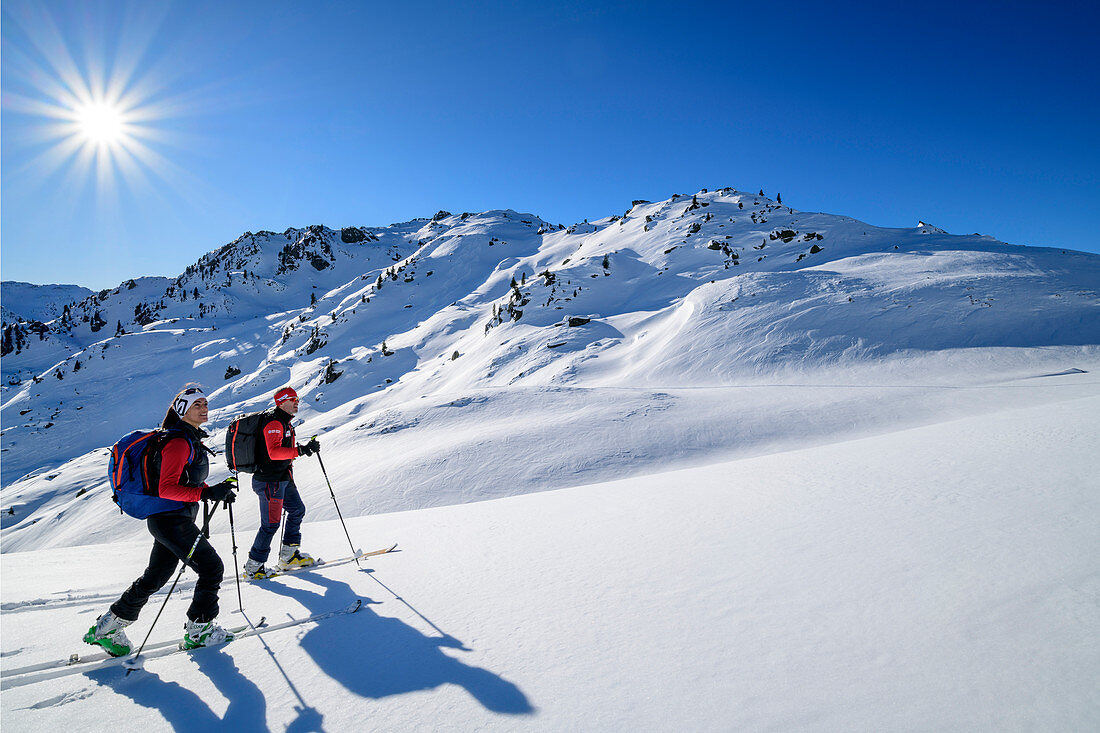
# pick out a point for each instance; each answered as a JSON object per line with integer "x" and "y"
{"x": 333, "y": 495}
{"x": 202, "y": 533}
{"x": 233, "y": 539}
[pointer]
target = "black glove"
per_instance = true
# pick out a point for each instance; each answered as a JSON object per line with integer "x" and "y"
{"x": 309, "y": 448}
{"x": 221, "y": 492}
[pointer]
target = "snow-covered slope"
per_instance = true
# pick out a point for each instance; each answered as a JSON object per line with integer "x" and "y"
{"x": 936, "y": 578}
{"x": 555, "y": 356}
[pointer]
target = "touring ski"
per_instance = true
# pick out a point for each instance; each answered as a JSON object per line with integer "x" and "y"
{"x": 275, "y": 573}
{"x": 85, "y": 659}
{"x": 26, "y": 675}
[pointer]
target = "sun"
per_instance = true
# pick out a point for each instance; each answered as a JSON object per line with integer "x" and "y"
{"x": 99, "y": 117}
{"x": 101, "y": 123}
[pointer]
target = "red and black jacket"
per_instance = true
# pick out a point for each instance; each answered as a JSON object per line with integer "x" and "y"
{"x": 276, "y": 450}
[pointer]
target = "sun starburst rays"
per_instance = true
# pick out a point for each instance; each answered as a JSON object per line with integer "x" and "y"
{"x": 98, "y": 117}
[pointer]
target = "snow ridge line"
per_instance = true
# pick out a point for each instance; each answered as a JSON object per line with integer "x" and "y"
{"x": 164, "y": 649}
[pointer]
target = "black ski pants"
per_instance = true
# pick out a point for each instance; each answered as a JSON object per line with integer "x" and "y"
{"x": 174, "y": 533}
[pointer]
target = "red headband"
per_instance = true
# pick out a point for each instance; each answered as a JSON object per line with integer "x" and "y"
{"x": 284, "y": 394}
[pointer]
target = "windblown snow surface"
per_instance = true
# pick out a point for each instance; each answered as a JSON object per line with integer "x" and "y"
{"x": 845, "y": 489}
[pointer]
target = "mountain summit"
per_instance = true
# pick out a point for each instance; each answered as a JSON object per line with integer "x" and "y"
{"x": 494, "y": 331}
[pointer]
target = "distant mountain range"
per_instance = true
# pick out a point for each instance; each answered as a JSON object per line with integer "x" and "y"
{"x": 700, "y": 291}
{"x": 29, "y": 302}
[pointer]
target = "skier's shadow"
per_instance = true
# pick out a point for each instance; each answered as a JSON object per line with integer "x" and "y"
{"x": 182, "y": 708}
{"x": 378, "y": 656}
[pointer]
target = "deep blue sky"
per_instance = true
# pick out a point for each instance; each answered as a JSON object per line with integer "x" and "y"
{"x": 974, "y": 117}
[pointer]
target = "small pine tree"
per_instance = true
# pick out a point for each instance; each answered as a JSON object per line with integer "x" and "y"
{"x": 779, "y": 198}
{"x": 331, "y": 373}
{"x": 313, "y": 298}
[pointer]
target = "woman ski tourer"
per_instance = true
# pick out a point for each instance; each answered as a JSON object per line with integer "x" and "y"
{"x": 177, "y": 468}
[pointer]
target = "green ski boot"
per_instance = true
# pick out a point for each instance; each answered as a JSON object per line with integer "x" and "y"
{"x": 107, "y": 633}
{"x": 203, "y": 633}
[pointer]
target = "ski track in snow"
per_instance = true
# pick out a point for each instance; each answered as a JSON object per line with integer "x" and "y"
{"x": 70, "y": 600}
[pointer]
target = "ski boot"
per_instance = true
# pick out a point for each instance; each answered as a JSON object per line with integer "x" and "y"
{"x": 291, "y": 557}
{"x": 254, "y": 570}
{"x": 203, "y": 633}
{"x": 107, "y": 633}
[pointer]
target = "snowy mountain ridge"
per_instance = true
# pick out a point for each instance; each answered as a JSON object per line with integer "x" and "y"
{"x": 712, "y": 464}
{"x": 37, "y": 302}
{"x": 499, "y": 333}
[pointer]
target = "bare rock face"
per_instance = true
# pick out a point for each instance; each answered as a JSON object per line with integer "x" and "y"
{"x": 352, "y": 235}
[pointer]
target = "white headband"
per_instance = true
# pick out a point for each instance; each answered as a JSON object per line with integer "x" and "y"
{"x": 185, "y": 399}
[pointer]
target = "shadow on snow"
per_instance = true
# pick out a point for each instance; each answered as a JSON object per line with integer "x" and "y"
{"x": 182, "y": 708}
{"x": 378, "y": 656}
{"x": 370, "y": 655}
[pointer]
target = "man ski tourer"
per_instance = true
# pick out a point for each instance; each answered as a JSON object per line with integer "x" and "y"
{"x": 274, "y": 484}
{"x": 177, "y": 470}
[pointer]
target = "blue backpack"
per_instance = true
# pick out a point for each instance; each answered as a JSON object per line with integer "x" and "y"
{"x": 132, "y": 473}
